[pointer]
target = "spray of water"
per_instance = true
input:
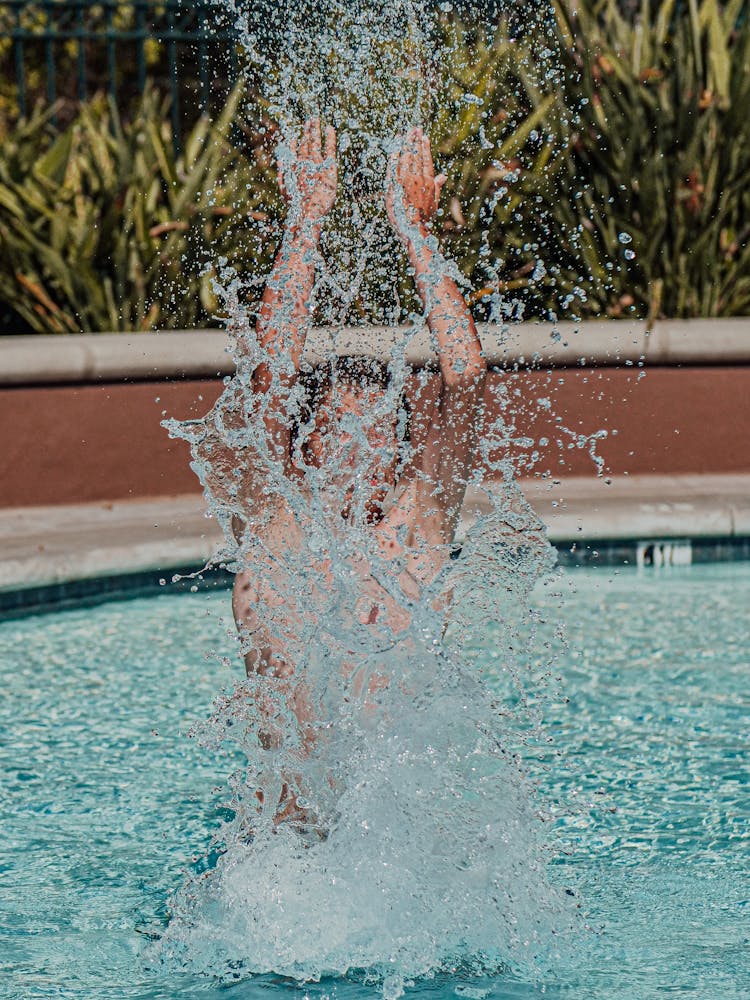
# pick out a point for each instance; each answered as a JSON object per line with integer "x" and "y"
{"x": 382, "y": 821}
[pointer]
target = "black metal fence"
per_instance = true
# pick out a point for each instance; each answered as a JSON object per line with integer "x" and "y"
{"x": 70, "y": 48}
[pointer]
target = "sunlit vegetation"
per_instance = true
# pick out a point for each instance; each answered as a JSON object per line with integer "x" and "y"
{"x": 109, "y": 229}
{"x": 598, "y": 167}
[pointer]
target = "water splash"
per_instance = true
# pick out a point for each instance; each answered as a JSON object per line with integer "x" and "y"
{"x": 383, "y": 822}
{"x": 416, "y": 844}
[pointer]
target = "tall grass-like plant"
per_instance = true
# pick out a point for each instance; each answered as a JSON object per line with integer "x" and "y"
{"x": 660, "y": 154}
{"x": 598, "y": 164}
{"x": 610, "y": 176}
{"x": 500, "y": 135}
{"x": 108, "y": 230}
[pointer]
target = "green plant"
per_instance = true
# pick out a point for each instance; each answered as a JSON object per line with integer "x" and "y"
{"x": 597, "y": 165}
{"x": 499, "y": 132}
{"x": 660, "y": 154}
{"x": 107, "y": 230}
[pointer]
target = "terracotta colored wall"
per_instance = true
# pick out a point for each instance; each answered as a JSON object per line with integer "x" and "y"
{"x": 670, "y": 421}
{"x": 104, "y": 442}
{"x": 96, "y": 442}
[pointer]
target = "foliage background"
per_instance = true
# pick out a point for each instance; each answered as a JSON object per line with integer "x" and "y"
{"x": 607, "y": 175}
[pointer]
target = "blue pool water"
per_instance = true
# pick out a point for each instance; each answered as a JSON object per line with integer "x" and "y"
{"x": 105, "y": 802}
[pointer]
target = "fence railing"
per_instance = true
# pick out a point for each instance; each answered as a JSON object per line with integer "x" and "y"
{"x": 70, "y": 48}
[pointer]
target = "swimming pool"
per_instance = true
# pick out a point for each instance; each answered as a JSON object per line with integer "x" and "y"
{"x": 105, "y": 802}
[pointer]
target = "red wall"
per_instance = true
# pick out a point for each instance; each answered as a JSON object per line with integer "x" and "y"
{"x": 66, "y": 444}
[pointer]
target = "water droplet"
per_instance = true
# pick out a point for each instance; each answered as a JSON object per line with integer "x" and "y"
{"x": 624, "y": 238}
{"x": 539, "y": 271}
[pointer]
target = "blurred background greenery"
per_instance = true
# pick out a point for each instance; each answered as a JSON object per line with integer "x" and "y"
{"x": 600, "y": 169}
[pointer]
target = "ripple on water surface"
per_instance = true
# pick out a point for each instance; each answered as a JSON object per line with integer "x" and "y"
{"x": 106, "y": 803}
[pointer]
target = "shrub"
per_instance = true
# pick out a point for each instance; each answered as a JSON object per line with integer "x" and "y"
{"x": 108, "y": 230}
{"x": 500, "y": 136}
{"x": 660, "y": 153}
{"x": 597, "y": 164}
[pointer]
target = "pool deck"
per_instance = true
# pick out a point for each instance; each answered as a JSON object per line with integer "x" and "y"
{"x": 43, "y": 546}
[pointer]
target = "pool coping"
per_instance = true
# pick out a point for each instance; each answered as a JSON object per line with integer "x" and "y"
{"x": 40, "y": 359}
{"x": 65, "y": 556}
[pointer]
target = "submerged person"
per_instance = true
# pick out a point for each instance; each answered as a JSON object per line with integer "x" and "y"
{"x": 410, "y": 510}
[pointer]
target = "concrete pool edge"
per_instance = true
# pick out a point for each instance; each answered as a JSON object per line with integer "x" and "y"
{"x": 38, "y": 359}
{"x": 62, "y": 556}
